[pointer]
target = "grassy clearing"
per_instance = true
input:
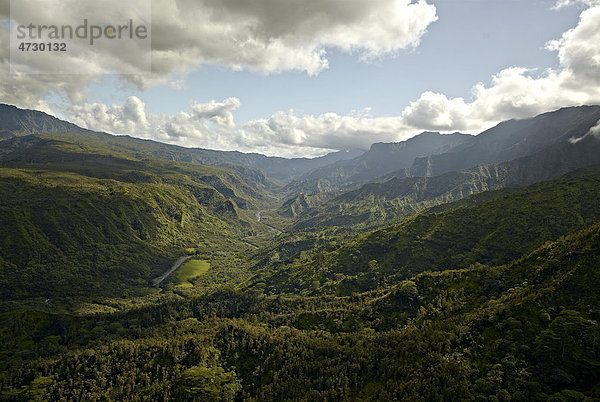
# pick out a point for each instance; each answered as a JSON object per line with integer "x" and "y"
{"x": 192, "y": 269}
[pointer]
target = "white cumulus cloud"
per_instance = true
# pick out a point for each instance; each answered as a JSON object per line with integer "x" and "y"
{"x": 518, "y": 92}
{"x": 581, "y": 3}
{"x": 212, "y": 125}
{"x": 267, "y": 36}
{"x": 323, "y": 132}
{"x": 209, "y": 124}
{"x": 276, "y": 35}
{"x": 514, "y": 92}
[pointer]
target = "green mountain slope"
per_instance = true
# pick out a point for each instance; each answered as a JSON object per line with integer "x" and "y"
{"x": 91, "y": 159}
{"x": 17, "y": 122}
{"x": 523, "y": 331}
{"x": 505, "y": 226}
{"x": 75, "y": 219}
{"x": 377, "y": 204}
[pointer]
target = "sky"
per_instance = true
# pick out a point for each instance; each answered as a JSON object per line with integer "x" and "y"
{"x": 291, "y": 78}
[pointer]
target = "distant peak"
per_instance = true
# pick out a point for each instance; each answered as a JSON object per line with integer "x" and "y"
{"x": 425, "y": 135}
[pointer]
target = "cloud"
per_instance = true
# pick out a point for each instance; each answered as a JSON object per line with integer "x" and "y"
{"x": 218, "y": 112}
{"x": 177, "y": 84}
{"x": 280, "y": 35}
{"x": 212, "y": 125}
{"x": 434, "y": 111}
{"x": 35, "y": 78}
{"x": 579, "y": 48}
{"x": 514, "y": 92}
{"x": 581, "y": 3}
{"x": 267, "y": 36}
{"x": 129, "y": 118}
{"x": 325, "y": 132}
{"x": 595, "y": 130}
{"x": 518, "y": 92}
{"x": 207, "y": 124}
{"x": 592, "y": 132}
{"x": 270, "y": 36}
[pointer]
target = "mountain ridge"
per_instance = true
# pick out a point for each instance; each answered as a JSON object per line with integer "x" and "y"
{"x": 512, "y": 139}
{"x": 390, "y": 198}
{"x": 506, "y": 141}
{"x": 381, "y": 158}
{"x": 490, "y": 297}
{"x": 25, "y": 121}
{"x": 17, "y": 122}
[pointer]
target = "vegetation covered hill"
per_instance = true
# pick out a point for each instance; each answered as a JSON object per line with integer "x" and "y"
{"x": 403, "y": 288}
{"x": 506, "y": 225}
{"x": 523, "y": 331}
{"x": 76, "y": 219}
{"x": 380, "y": 203}
{"x": 93, "y": 160}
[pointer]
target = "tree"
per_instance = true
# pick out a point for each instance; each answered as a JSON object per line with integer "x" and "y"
{"x": 208, "y": 384}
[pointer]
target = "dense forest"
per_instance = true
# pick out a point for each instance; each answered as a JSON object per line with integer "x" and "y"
{"x": 337, "y": 279}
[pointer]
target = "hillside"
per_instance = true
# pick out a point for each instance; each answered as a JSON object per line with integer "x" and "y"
{"x": 18, "y": 122}
{"x": 474, "y": 284}
{"x": 381, "y": 159}
{"x": 506, "y": 225}
{"x": 381, "y": 203}
{"x": 526, "y": 330}
{"x": 90, "y": 159}
{"x": 75, "y": 219}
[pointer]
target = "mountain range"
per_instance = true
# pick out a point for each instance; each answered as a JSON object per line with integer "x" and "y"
{"x": 381, "y": 159}
{"x": 433, "y": 154}
{"x": 443, "y": 267}
{"x": 19, "y": 122}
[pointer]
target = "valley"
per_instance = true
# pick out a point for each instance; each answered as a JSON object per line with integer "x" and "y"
{"x": 447, "y": 266}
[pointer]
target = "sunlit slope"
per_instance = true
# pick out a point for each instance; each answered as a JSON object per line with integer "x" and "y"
{"x": 506, "y": 225}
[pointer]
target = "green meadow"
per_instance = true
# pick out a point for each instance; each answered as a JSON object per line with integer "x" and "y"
{"x": 192, "y": 269}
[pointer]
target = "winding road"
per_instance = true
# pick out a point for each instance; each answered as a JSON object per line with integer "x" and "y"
{"x": 157, "y": 281}
{"x": 278, "y": 232}
{"x": 250, "y": 244}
